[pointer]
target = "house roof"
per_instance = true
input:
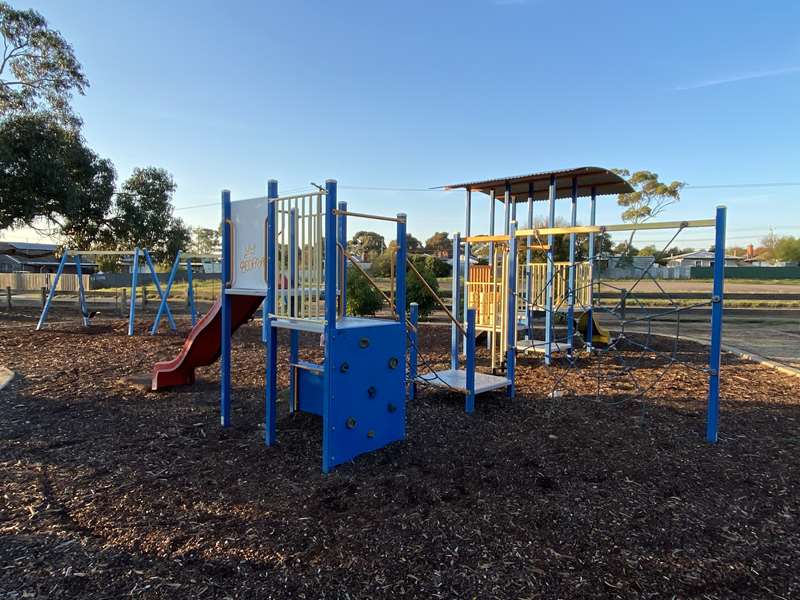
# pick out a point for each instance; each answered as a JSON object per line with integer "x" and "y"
{"x": 27, "y": 248}
{"x": 604, "y": 182}
{"x": 701, "y": 255}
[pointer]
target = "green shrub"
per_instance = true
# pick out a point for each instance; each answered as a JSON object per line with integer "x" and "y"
{"x": 416, "y": 290}
{"x": 362, "y": 298}
{"x": 381, "y": 266}
{"x": 438, "y": 267}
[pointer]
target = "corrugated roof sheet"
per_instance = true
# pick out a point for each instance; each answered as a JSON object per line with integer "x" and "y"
{"x": 604, "y": 181}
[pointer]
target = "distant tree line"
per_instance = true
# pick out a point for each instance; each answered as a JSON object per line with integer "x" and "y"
{"x": 50, "y": 180}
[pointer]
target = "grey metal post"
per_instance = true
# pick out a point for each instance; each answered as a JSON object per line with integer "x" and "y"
{"x": 507, "y": 204}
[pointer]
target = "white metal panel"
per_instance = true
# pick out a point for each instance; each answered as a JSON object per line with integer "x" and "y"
{"x": 249, "y": 257}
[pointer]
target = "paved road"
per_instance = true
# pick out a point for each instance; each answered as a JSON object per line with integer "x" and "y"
{"x": 771, "y": 333}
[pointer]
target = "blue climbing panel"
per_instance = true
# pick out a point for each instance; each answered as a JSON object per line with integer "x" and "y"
{"x": 366, "y": 410}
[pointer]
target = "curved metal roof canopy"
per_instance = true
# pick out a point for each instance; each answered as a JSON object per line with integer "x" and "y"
{"x": 604, "y": 181}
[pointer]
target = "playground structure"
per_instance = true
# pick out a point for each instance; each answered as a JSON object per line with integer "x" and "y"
{"x": 289, "y": 253}
{"x": 288, "y": 256}
{"x": 509, "y": 294}
{"x": 86, "y": 316}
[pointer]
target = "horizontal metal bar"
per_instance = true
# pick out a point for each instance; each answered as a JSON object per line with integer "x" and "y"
{"x": 308, "y": 367}
{"x": 100, "y": 252}
{"x": 348, "y": 213}
{"x": 211, "y": 256}
{"x": 298, "y": 196}
{"x": 617, "y": 227}
{"x": 476, "y": 239}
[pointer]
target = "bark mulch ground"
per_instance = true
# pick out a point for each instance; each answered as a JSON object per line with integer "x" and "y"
{"x": 110, "y": 491}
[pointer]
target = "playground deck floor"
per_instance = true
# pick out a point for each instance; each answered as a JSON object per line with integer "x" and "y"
{"x": 108, "y": 491}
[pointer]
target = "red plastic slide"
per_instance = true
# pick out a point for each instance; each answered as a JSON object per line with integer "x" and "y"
{"x": 204, "y": 343}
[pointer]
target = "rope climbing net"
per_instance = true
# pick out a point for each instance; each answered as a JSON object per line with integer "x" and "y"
{"x": 616, "y": 342}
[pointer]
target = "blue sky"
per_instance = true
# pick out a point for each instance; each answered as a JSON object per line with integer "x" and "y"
{"x": 423, "y": 93}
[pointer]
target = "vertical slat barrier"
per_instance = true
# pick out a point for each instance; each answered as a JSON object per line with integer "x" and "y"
{"x": 717, "y": 303}
{"x": 341, "y": 234}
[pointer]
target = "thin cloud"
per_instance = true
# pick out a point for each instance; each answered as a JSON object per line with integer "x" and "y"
{"x": 736, "y": 78}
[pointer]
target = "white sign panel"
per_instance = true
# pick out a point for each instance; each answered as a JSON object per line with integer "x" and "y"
{"x": 249, "y": 258}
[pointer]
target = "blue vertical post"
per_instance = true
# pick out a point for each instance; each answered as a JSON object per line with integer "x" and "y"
{"x": 571, "y": 272}
{"x": 511, "y": 342}
{"x": 467, "y": 255}
{"x": 268, "y": 333}
{"x": 455, "y": 334}
{"x": 717, "y": 302}
{"x": 81, "y": 292}
{"x": 412, "y": 352}
{"x": 52, "y": 292}
{"x": 529, "y": 270}
{"x": 157, "y": 285}
{"x": 225, "y": 312}
{"x": 190, "y": 291}
{"x": 134, "y": 283}
{"x": 328, "y": 459}
{"x": 592, "y": 259}
{"x": 163, "y": 304}
{"x": 400, "y": 269}
{"x": 469, "y": 403}
{"x": 548, "y": 317}
{"x": 294, "y": 339}
{"x": 341, "y": 234}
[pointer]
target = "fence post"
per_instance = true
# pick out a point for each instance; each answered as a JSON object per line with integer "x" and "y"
{"x": 44, "y": 295}
{"x": 623, "y": 293}
{"x": 144, "y": 298}
{"x": 8, "y": 295}
{"x": 124, "y": 298}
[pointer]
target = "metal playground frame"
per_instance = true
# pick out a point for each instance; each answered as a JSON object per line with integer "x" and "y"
{"x": 510, "y": 293}
{"x": 136, "y": 254}
{"x": 291, "y": 252}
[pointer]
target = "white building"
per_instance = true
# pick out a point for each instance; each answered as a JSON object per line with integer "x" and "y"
{"x": 701, "y": 258}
